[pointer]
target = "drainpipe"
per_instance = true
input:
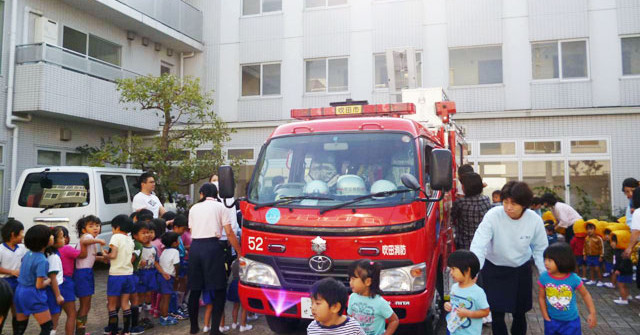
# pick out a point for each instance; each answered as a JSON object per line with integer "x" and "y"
{"x": 10, "y": 118}
{"x": 183, "y": 56}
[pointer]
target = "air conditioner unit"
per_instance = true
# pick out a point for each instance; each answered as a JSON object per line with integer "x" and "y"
{"x": 45, "y": 31}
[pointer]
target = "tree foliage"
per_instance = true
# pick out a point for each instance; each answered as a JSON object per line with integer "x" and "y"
{"x": 186, "y": 122}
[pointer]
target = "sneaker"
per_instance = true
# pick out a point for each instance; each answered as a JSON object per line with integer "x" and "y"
{"x": 606, "y": 274}
{"x": 584, "y": 279}
{"x": 234, "y": 326}
{"x": 599, "y": 284}
{"x": 637, "y": 297}
{"x": 206, "y": 329}
{"x": 245, "y": 328}
{"x": 224, "y": 329}
{"x": 107, "y": 331}
{"x": 609, "y": 285}
{"x": 621, "y": 301}
{"x": 590, "y": 282}
{"x": 252, "y": 317}
{"x": 184, "y": 312}
{"x": 147, "y": 307}
{"x": 168, "y": 321}
{"x": 178, "y": 315}
{"x": 137, "y": 330}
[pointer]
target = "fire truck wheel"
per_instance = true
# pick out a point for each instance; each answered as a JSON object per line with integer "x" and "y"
{"x": 282, "y": 325}
{"x": 436, "y": 312}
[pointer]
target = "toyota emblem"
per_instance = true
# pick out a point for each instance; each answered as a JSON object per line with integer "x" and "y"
{"x": 320, "y": 263}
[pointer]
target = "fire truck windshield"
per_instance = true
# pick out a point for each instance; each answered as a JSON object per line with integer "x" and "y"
{"x": 320, "y": 170}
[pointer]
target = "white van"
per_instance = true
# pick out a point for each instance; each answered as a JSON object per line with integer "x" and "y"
{"x": 60, "y": 195}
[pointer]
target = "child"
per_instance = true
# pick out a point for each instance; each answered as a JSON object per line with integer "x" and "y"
{"x": 623, "y": 272}
{"x": 328, "y": 299}
{"x": 577, "y": 245}
{"x": 147, "y": 273}
{"x": 68, "y": 256}
{"x": 139, "y": 233}
{"x": 366, "y": 304}
{"x": 121, "y": 282}
{"x": 180, "y": 226}
{"x": 33, "y": 281}
{"x": 159, "y": 228}
{"x": 6, "y": 300}
{"x": 232, "y": 296}
{"x": 593, "y": 251}
{"x": 536, "y": 205}
{"x": 11, "y": 253}
{"x": 170, "y": 263}
{"x": 88, "y": 229}
{"x": 557, "y": 292}
{"x": 54, "y": 297}
{"x": 607, "y": 257}
{"x": 552, "y": 237}
{"x": 468, "y": 300}
{"x": 496, "y": 198}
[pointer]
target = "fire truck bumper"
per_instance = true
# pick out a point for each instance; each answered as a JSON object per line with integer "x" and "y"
{"x": 279, "y": 302}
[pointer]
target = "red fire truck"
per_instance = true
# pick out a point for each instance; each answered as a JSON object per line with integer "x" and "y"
{"x": 351, "y": 181}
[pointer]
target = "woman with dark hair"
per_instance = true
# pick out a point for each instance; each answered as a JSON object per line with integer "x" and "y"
{"x": 207, "y": 219}
{"x": 564, "y": 214}
{"x": 468, "y": 211}
{"x": 505, "y": 241}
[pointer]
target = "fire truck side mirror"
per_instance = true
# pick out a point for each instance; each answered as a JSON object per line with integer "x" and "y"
{"x": 440, "y": 166}
{"x": 226, "y": 182}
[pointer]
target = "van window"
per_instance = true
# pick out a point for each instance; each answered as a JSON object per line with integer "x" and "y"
{"x": 113, "y": 189}
{"x": 55, "y": 190}
{"x": 134, "y": 187}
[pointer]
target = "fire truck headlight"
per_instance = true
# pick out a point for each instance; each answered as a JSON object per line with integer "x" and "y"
{"x": 410, "y": 278}
{"x": 253, "y": 272}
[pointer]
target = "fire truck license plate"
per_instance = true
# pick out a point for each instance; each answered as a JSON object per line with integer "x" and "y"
{"x": 345, "y": 110}
{"x": 305, "y": 308}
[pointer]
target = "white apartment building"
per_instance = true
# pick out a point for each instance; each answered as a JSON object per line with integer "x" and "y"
{"x": 59, "y": 61}
{"x": 548, "y": 91}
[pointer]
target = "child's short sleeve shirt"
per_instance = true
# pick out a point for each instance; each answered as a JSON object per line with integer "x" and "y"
{"x": 92, "y": 252}
{"x": 34, "y": 265}
{"x": 55, "y": 266}
{"x": 137, "y": 253}
{"x": 560, "y": 294}
{"x": 348, "y": 327}
{"x": 121, "y": 265}
{"x": 168, "y": 260}
{"x": 371, "y": 313}
{"x": 149, "y": 257}
{"x": 68, "y": 255}
{"x": 472, "y": 298}
{"x": 10, "y": 259}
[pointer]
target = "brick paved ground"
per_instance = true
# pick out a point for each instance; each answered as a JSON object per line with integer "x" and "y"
{"x": 612, "y": 319}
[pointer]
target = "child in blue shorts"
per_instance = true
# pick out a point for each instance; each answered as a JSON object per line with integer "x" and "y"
{"x": 11, "y": 253}
{"x": 139, "y": 233}
{"x": 180, "y": 226}
{"x": 593, "y": 253}
{"x": 623, "y": 272}
{"x": 30, "y": 297}
{"x": 170, "y": 266}
{"x": 607, "y": 258}
{"x": 557, "y": 293}
{"x": 147, "y": 273}
{"x": 121, "y": 282}
{"x": 55, "y": 273}
{"x": 88, "y": 229}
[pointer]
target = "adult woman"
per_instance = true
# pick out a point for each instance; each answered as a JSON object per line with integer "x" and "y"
{"x": 504, "y": 242}
{"x": 467, "y": 212}
{"x": 564, "y": 213}
{"x": 207, "y": 219}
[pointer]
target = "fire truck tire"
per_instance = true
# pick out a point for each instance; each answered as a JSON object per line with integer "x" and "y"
{"x": 282, "y": 325}
{"x": 436, "y": 313}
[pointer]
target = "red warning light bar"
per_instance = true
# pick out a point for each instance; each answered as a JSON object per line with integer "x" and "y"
{"x": 394, "y": 110}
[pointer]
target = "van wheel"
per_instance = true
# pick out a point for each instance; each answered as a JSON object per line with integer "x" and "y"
{"x": 282, "y": 325}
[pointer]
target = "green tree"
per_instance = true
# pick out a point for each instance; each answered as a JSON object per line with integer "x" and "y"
{"x": 186, "y": 122}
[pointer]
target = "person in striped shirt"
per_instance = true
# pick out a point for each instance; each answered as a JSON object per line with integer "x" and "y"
{"x": 328, "y": 303}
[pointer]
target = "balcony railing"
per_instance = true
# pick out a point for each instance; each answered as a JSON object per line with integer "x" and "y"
{"x": 69, "y": 59}
{"x": 176, "y": 14}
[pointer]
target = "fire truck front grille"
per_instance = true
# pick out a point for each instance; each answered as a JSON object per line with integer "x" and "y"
{"x": 297, "y": 274}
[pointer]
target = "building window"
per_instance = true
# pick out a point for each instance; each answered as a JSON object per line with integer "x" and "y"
{"x": 49, "y": 157}
{"x": 94, "y": 46}
{"x": 543, "y": 174}
{"x": 475, "y": 66}
{"x": 256, "y": 7}
{"x": 496, "y": 174}
{"x": 245, "y": 154}
{"x": 630, "y": 55}
{"x": 74, "y": 40}
{"x": 589, "y": 147}
{"x": 402, "y": 82}
{"x": 546, "y": 56}
{"x": 327, "y": 75}
{"x": 165, "y": 68}
{"x": 75, "y": 159}
{"x": 260, "y": 79}
{"x": 542, "y": 147}
{"x": 324, "y": 3}
{"x": 498, "y": 148}
{"x": 590, "y": 180}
